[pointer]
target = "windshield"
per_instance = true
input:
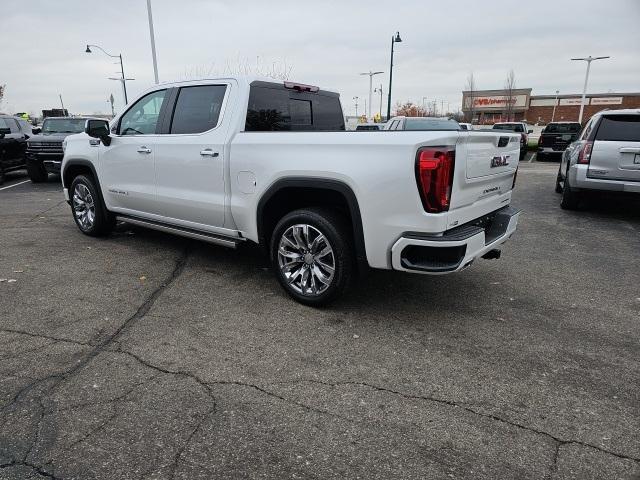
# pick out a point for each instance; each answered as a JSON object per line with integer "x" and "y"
{"x": 516, "y": 127}
{"x": 63, "y": 125}
{"x": 431, "y": 124}
{"x": 562, "y": 128}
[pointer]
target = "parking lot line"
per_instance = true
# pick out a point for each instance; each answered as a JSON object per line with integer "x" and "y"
{"x": 14, "y": 185}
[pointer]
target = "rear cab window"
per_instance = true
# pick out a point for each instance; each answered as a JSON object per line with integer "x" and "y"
{"x": 562, "y": 128}
{"x": 515, "y": 127}
{"x": 274, "y": 107}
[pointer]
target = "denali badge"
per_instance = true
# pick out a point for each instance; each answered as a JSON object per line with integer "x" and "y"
{"x": 500, "y": 161}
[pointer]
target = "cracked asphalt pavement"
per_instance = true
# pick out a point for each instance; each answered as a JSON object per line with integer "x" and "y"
{"x": 148, "y": 356}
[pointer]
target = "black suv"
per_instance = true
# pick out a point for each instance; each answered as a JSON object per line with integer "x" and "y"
{"x": 13, "y": 143}
{"x": 44, "y": 151}
{"x": 556, "y": 137}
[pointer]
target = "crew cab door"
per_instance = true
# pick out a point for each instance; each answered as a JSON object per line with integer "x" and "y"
{"x": 127, "y": 166}
{"x": 190, "y": 156}
{"x": 616, "y": 148}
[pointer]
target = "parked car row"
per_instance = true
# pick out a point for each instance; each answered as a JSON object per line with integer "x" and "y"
{"x": 39, "y": 150}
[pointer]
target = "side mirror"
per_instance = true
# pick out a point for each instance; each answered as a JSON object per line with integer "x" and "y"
{"x": 36, "y": 131}
{"x": 98, "y": 129}
{"x": 529, "y": 131}
{"x": 4, "y": 131}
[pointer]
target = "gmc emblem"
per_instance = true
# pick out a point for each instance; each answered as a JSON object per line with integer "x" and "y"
{"x": 500, "y": 161}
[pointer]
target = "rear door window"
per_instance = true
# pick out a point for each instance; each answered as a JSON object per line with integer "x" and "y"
{"x": 197, "y": 108}
{"x": 274, "y": 108}
{"x": 619, "y": 128}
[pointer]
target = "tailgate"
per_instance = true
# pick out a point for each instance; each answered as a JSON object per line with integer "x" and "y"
{"x": 486, "y": 163}
{"x": 557, "y": 141}
{"x": 616, "y": 149}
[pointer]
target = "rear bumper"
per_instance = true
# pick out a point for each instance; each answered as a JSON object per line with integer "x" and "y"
{"x": 550, "y": 150}
{"x": 454, "y": 250}
{"x": 579, "y": 180}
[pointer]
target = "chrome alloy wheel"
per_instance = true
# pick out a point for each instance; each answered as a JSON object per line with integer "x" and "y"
{"x": 306, "y": 259}
{"x": 84, "y": 208}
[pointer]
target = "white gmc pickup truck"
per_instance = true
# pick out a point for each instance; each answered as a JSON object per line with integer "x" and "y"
{"x": 241, "y": 159}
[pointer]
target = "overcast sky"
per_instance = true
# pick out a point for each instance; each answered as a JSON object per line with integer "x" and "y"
{"x": 326, "y": 43}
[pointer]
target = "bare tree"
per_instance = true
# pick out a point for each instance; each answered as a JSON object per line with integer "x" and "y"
{"x": 242, "y": 66}
{"x": 410, "y": 109}
{"x": 509, "y": 94}
{"x": 471, "y": 88}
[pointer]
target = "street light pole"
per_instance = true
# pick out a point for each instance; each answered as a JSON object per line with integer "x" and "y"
{"x": 553, "y": 114}
{"x": 355, "y": 99}
{"x": 371, "y": 74}
{"x": 123, "y": 79}
{"x": 153, "y": 42}
{"x": 379, "y": 90}
{"x": 394, "y": 39}
{"x": 588, "y": 59}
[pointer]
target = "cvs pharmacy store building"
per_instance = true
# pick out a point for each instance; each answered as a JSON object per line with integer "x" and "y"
{"x": 490, "y": 106}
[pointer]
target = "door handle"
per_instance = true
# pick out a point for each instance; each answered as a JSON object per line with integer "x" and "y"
{"x": 207, "y": 152}
{"x": 629, "y": 150}
{"x": 144, "y": 149}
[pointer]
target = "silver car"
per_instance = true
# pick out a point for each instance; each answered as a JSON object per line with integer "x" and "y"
{"x": 606, "y": 157}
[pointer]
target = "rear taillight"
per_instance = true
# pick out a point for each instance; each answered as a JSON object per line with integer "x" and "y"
{"x": 585, "y": 153}
{"x": 434, "y": 174}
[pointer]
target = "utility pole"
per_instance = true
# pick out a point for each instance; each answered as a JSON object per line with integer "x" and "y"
{"x": 588, "y": 59}
{"x": 355, "y": 99}
{"x": 371, "y": 74}
{"x": 61, "y": 102}
{"x": 153, "y": 42}
{"x": 113, "y": 111}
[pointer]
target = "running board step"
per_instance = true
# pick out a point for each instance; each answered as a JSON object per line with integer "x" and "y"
{"x": 184, "y": 232}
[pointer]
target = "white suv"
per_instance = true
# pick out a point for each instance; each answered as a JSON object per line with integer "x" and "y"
{"x": 605, "y": 157}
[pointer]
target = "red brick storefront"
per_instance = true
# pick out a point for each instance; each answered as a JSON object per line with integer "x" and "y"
{"x": 544, "y": 113}
{"x": 539, "y": 109}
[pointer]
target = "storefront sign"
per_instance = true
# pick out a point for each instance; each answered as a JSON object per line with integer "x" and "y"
{"x": 543, "y": 102}
{"x": 606, "y": 101}
{"x": 573, "y": 101}
{"x": 498, "y": 102}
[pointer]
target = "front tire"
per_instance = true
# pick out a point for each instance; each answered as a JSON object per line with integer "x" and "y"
{"x": 89, "y": 212}
{"x": 37, "y": 172}
{"x": 312, "y": 255}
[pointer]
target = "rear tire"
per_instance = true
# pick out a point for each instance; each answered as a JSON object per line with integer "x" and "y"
{"x": 89, "y": 212}
{"x": 312, "y": 255}
{"x": 558, "y": 181}
{"x": 570, "y": 198}
{"x": 37, "y": 172}
{"x": 540, "y": 157}
{"x": 1, "y": 172}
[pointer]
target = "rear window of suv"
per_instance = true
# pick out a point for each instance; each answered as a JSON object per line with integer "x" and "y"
{"x": 562, "y": 128}
{"x": 619, "y": 128}
{"x": 272, "y": 107}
